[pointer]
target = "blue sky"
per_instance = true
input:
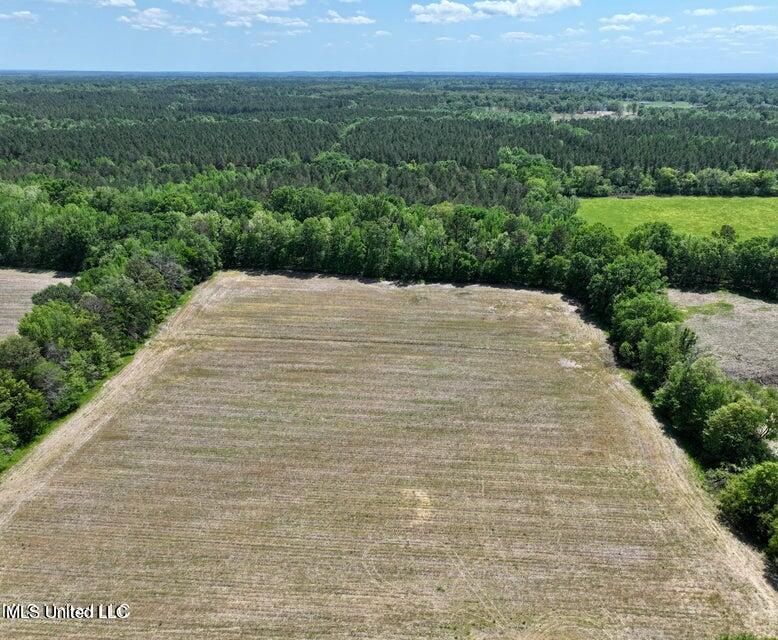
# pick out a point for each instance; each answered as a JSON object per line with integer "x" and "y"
{"x": 390, "y": 35}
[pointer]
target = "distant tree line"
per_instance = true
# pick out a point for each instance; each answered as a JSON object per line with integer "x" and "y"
{"x": 30, "y": 96}
{"x": 429, "y": 183}
{"x": 136, "y": 251}
{"x": 687, "y": 142}
{"x": 592, "y": 181}
{"x": 98, "y": 123}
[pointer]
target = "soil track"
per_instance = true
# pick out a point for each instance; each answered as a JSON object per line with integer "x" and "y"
{"x": 16, "y": 290}
{"x": 323, "y": 458}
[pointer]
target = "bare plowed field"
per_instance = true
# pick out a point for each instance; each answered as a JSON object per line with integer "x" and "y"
{"x": 16, "y": 291}
{"x": 323, "y": 458}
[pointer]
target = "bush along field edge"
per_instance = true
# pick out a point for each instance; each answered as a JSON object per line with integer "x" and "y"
{"x": 138, "y": 251}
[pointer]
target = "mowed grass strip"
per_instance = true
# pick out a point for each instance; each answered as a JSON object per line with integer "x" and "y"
{"x": 324, "y": 458}
{"x": 16, "y": 290}
{"x": 750, "y": 217}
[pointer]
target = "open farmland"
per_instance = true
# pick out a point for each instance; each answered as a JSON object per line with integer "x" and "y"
{"x": 16, "y": 290}
{"x": 324, "y": 458}
{"x": 750, "y": 217}
{"x": 742, "y": 333}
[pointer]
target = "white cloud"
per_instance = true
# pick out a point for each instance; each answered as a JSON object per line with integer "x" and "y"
{"x": 116, "y": 3}
{"x": 622, "y": 18}
{"x": 524, "y": 8}
{"x": 286, "y": 22}
{"x": 701, "y": 12}
{"x": 444, "y": 12}
{"x": 574, "y": 32}
{"x": 473, "y": 37}
{"x": 333, "y": 17}
{"x": 243, "y": 13}
{"x": 523, "y": 36}
{"x": 617, "y": 27}
{"x": 448, "y": 11}
{"x": 158, "y": 19}
{"x": 21, "y": 16}
{"x": 745, "y": 8}
{"x": 241, "y": 21}
{"x": 249, "y": 7}
{"x": 381, "y": 33}
{"x": 755, "y": 29}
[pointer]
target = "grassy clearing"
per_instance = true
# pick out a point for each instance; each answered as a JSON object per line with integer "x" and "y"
{"x": 709, "y": 309}
{"x": 322, "y": 458}
{"x": 16, "y": 290}
{"x": 700, "y": 215}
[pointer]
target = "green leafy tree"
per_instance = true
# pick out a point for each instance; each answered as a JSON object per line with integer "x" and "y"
{"x": 633, "y": 316}
{"x": 630, "y": 274}
{"x": 736, "y": 433}
{"x": 22, "y": 407}
{"x": 750, "y": 501}
{"x": 692, "y": 392}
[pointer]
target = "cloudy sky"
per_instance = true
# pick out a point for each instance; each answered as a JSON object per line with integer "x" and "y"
{"x": 390, "y": 35}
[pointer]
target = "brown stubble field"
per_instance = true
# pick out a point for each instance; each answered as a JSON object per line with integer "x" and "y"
{"x": 16, "y": 290}
{"x": 323, "y": 458}
{"x": 741, "y": 333}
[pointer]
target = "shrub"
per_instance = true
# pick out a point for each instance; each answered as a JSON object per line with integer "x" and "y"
{"x": 693, "y": 390}
{"x": 61, "y": 291}
{"x": 21, "y": 407}
{"x": 634, "y": 316}
{"x": 20, "y": 356}
{"x": 735, "y": 433}
{"x": 630, "y": 274}
{"x": 750, "y": 501}
{"x": 664, "y": 345}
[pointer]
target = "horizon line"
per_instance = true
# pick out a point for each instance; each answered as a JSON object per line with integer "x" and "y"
{"x": 300, "y": 72}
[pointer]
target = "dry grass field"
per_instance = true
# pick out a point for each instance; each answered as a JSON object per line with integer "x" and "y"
{"x": 16, "y": 290}
{"x": 742, "y": 333}
{"x": 322, "y": 458}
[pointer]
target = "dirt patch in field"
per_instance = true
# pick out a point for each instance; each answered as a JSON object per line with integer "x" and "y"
{"x": 742, "y": 333}
{"x": 323, "y": 458}
{"x": 16, "y": 290}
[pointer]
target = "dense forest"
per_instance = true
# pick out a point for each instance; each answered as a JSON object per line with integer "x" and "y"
{"x": 128, "y": 130}
{"x": 144, "y": 187}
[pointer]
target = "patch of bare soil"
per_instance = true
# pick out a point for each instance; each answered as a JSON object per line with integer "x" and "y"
{"x": 742, "y": 333}
{"x": 324, "y": 458}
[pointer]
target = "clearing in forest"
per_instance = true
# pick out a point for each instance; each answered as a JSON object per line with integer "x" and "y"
{"x": 749, "y": 217}
{"x": 741, "y": 333}
{"x": 311, "y": 457}
{"x": 16, "y": 290}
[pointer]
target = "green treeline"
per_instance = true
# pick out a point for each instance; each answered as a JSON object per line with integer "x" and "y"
{"x": 136, "y": 251}
{"x": 688, "y": 141}
{"x": 430, "y": 183}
